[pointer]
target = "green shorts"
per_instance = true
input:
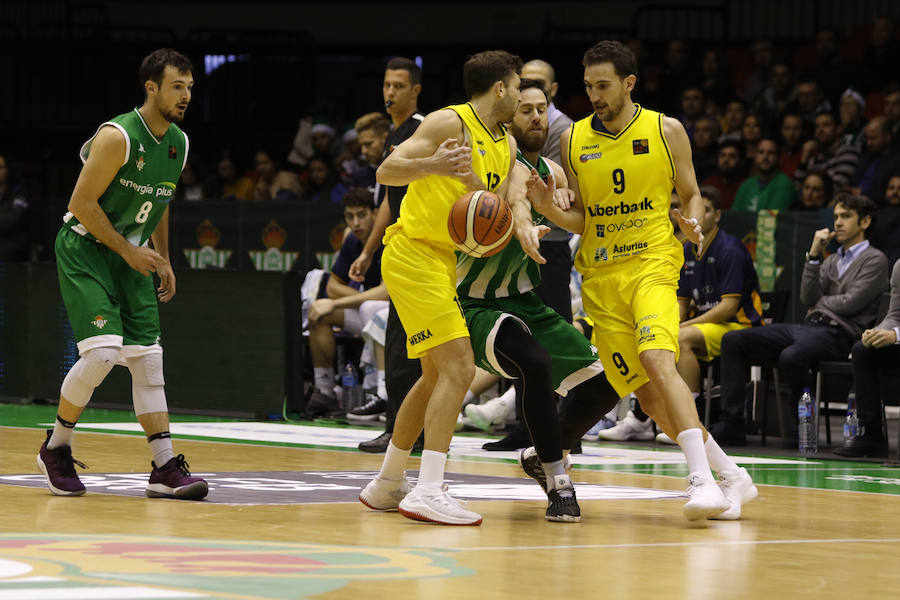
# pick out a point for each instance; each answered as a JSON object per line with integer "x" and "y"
{"x": 574, "y": 359}
{"x": 108, "y": 302}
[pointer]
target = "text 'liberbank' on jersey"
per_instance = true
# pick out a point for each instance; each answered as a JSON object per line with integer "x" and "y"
{"x": 625, "y": 181}
{"x": 137, "y": 198}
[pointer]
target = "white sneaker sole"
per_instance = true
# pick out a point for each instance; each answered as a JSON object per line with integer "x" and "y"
{"x": 419, "y": 516}
{"x": 56, "y": 491}
{"x": 698, "y": 511}
{"x": 195, "y": 491}
{"x": 733, "y": 513}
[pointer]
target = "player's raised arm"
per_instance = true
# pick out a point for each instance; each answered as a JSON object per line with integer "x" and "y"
{"x": 105, "y": 159}
{"x": 542, "y": 195}
{"x": 685, "y": 180}
{"x": 434, "y": 149}
{"x": 528, "y": 234}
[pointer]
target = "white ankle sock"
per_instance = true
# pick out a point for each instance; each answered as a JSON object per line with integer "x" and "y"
{"x": 691, "y": 442}
{"x": 62, "y": 436}
{"x": 718, "y": 460}
{"x": 551, "y": 470}
{"x": 431, "y": 471}
{"x": 394, "y": 462}
{"x": 162, "y": 450}
{"x": 324, "y": 380}
{"x": 381, "y": 388}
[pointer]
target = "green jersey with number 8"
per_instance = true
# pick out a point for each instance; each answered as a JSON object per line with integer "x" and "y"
{"x": 137, "y": 197}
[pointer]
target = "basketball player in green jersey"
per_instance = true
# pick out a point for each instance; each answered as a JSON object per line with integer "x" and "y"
{"x": 120, "y": 202}
{"x": 623, "y": 162}
{"x": 515, "y": 335}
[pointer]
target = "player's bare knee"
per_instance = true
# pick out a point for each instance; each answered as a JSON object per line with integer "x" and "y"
{"x": 89, "y": 372}
{"x": 658, "y": 363}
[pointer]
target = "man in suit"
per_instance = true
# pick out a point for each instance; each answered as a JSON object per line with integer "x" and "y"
{"x": 842, "y": 291}
{"x": 877, "y": 348}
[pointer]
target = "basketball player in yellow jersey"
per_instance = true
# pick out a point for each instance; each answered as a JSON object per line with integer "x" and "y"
{"x": 625, "y": 160}
{"x": 455, "y": 150}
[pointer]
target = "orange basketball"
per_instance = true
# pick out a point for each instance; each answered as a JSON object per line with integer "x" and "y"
{"x": 480, "y": 223}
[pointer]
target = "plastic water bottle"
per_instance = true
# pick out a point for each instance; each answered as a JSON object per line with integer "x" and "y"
{"x": 851, "y": 423}
{"x": 808, "y": 429}
{"x": 352, "y": 392}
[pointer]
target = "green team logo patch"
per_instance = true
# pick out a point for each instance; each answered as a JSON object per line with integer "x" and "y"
{"x": 99, "y": 322}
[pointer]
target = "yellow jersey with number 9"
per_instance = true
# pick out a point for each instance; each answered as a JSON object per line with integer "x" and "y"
{"x": 426, "y": 205}
{"x": 626, "y": 183}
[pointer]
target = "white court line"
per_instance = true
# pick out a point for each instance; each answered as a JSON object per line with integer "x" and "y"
{"x": 676, "y": 544}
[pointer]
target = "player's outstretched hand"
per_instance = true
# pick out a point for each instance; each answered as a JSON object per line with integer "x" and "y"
{"x": 142, "y": 259}
{"x": 691, "y": 229}
{"x": 563, "y": 198}
{"x": 540, "y": 193}
{"x": 166, "y": 290}
{"x": 529, "y": 236}
{"x": 360, "y": 266}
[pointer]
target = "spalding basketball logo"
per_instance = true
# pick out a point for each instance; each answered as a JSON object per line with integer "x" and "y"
{"x": 486, "y": 210}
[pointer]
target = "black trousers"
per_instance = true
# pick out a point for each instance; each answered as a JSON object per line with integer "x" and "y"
{"x": 400, "y": 372}
{"x": 797, "y": 348}
{"x": 555, "y": 274}
{"x": 867, "y": 366}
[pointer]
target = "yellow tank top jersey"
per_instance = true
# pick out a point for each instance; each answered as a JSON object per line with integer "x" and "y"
{"x": 426, "y": 206}
{"x": 626, "y": 183}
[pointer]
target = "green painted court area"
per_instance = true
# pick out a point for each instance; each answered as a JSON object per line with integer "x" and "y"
{"x": 769, "y": 465}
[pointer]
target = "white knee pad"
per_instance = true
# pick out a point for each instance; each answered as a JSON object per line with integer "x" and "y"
{"x": 147, "y": 391}
{"x": 89, "y": 372}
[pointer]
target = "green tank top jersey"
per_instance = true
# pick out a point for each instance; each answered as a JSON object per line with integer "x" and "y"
{"x": 140, "y": 192}
{"x": 510, "y": 272}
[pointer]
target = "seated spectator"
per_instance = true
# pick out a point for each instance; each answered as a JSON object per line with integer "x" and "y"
{"x": 705, "y": 150}
{"x": 763, "y": 52}
{"x": 771, "y": 189}
{"x": 892, "y": 112}
{"x": 325, "y": 142}
{"x": 714, "y": 78}
{"x": 349, "y": 305}
{"x": 692, "y": 103}
{"x": 13, "y": 218}
{"x": 324, "y": 184}
{"x": 826, "y": 153}
{"x": 350, "y": 160}
{"x": 226, "y": 185}
{"x": 274, "y": 183}
{"x": 876, "y": 350}
{"x": 882, "y": 54}
{"x": 735, "y": 111}
{"x": 718, "y": 292}
{"x": 752, "y": 130}
{"x": 816, "y": 195}
{"x": 792, "y": 136}
{"x": 885, "y": 234}
{"x": 852, "y": 113}
{"x": 190, "y": 187}
{"x": 773, "y": 99}
{"x": 842, "y": 292}
{"x": 808, "y": 100}
{"x": 730, "y": 173}
{"x": 877, "y": 163}
{"x": 372, "y": 130}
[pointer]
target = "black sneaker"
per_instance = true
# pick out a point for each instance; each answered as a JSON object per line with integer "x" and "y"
{"x": 515, "y": 439}
{"x": 531, "y": 464}
{"x": 378, "y": 445}
{"x": 562, "y": 507}
{"x": 321, "y": 405}
{"x": 369, "y": 411}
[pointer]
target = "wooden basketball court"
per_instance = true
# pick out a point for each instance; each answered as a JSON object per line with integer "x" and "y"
{"x": 793, "y": 542}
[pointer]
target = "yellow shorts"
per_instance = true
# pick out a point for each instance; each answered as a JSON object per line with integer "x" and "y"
{"x": 421, "y": 280}
{"x": 712, "y": 335}
{"x": 634, "y": 308}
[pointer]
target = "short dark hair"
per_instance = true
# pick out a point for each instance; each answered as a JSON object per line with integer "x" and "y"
{"x": 398, "y": 62}
{"x": 891, "y": 88}
{"x": 484, "y": 69}
{"x": 732, "y": 143}
{"x": 827, "y": 183}
{"x": 358, "y": 196}
{"x": 862, "y": 205}
{"x": 527, "y": 84}
{"x": 769, "y": 138}
{"x": 829, "y": 113}
{"x": 611, "y": 51}
{"x": 713, "y": 195}
{"x": 154, "y": 65}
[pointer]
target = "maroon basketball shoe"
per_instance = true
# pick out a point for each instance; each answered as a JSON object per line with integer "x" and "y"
{"x": 59, "y": 468}
{"x": 173, "y": 480}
